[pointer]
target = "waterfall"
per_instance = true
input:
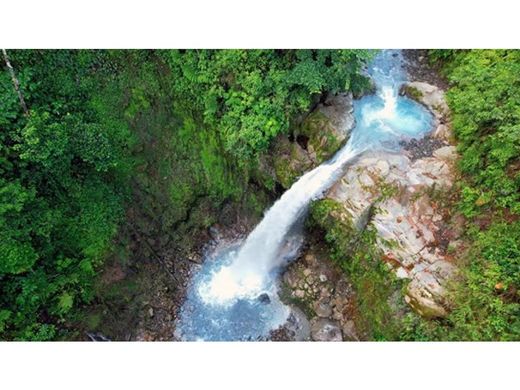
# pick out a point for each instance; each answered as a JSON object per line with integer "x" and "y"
{"x": 222, "y": 303}
{"x": 259, "y": 255}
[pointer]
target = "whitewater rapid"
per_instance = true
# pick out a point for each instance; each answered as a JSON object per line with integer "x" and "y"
{"x": 223, "y": 300}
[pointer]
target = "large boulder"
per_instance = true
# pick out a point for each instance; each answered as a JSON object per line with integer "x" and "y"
{"x": 429, "y": 95}
{"x": 290, "y": 161}
{"x": 321, "y": 134}
{"x": 397, "y": 191}
{"x": 328, "y": 127}
{"x": 323, "y": 329}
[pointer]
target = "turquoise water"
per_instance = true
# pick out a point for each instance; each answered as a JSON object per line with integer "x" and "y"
{"x": 234, "y": 296}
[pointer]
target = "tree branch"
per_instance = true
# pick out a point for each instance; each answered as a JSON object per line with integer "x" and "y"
{"x": 16, "y": 83}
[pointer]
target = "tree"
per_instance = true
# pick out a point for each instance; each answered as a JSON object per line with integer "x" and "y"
{"x": 16, "y": 83}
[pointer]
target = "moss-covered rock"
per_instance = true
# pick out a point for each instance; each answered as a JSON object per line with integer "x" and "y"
{"x": 328, "y": 127}
{"x": 322, "y": 139}
{"x": 411, "y": 92}
{"x": 429, "y": 95}
{"x": 290, "y": 161}
{"x": 333, "y": 218}
{"x": 318, "y": 137}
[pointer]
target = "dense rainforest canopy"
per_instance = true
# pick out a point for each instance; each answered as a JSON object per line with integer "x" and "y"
{"x": 67, "y": 165}
{"x": 186, "y": 128}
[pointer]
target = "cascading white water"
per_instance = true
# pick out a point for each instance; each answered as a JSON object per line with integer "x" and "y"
{"x": 260, "y": 253}
{"x": 222, "y": 303}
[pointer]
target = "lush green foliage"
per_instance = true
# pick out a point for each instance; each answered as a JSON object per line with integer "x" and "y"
{"x": 486, "y": 301}
{"x": 250, "y": 96}
{"x": 60, "y": 204}
{"x": 485, "y": 101}
{"x": 162, "y": 134}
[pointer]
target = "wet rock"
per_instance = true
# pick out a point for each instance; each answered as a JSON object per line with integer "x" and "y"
{"x": 264, "y": 298}
{"x": 424, "y": 147}
{"x": 325, "y": 330}
{"x": 321, "y": 134}
{"x": 214, "y": 232}
{"x": 299, "y": 325}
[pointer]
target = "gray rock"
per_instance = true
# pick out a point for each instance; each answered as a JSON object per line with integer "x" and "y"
{"x": 290, "y": 279}
{"x": 406, "y": 222}
{"x": 429, "y": 95}
{"x": 423, "y": 301}
{"x": 339, "y": 109}
{"x": 349, "y": 331}
{"x": 383, "y": 167}
{"x": 324, "y": 293}
{"x": 446, "y": 153}
{"x": 299, "y": 324}
{"x": 442, "y": 132}
{"x": 214, "y": 232}
{"x": 322, "y": 309}
{"x": 325, "y": 330}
